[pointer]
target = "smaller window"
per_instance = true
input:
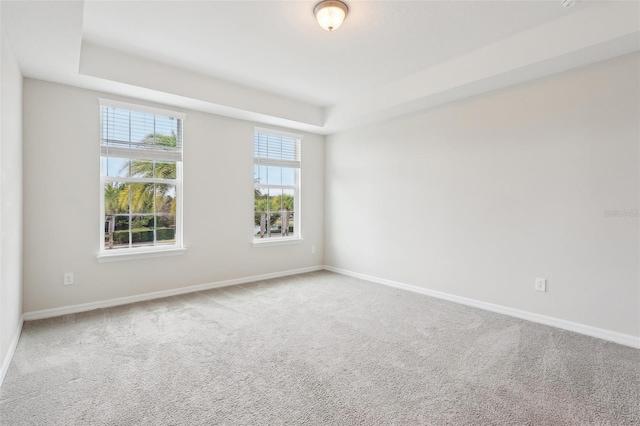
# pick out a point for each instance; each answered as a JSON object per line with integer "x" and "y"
{"x": 276, "y": 184}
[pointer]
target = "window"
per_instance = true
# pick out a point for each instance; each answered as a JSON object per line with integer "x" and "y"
{"x": 141, "y": 178}
{"x": 276, "y": 185}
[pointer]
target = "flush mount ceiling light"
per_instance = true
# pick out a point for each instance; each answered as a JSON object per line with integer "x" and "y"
{"x": 568, "y": 3}
{"x": 330, "y": 13}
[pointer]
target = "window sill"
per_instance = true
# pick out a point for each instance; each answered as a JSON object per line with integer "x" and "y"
{"x": 277, "y": 242}
{"x": 142, "y": 254}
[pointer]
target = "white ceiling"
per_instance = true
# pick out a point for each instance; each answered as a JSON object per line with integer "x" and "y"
{"x": 278, "y": 46}
{"x": 269, "y": 61}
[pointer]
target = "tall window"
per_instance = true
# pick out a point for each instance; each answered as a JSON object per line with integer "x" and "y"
{"x": 141, "y": 178}
{"x": 276, "y": 184}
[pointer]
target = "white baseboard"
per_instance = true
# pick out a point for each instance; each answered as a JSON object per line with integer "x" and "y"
{"x": 74, "y": 309}
{"x": 612, "y": 336}
{"x": 11, "y": 351}
{"x": 623, "y": 339}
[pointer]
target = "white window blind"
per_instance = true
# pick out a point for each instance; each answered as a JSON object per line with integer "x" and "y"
{"x": 272, "y": 148}
{"x": 140, "y": 135}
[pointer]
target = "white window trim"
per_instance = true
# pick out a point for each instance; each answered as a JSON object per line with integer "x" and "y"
{"x": 141, "y": 108}
{"x": 282, "y": 241}
{"x": 178, "y": 247}
{"x": 277, "y": 132}
{"x": 298, "y": 236}
{"x": 132, "y": 254}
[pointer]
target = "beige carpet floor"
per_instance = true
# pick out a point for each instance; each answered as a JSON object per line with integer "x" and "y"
{"x": 313, "y": 349}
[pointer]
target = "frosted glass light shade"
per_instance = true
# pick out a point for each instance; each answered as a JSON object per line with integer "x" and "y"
{"x": 330, "y": 14}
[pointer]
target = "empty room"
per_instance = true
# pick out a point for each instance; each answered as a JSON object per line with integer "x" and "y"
{"x": 320, "y": 212}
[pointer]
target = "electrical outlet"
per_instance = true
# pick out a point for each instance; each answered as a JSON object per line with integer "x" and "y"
{"x": 313, "y": 249}
{"x": 68, "y": 278}
{"x": 541, "y": 284}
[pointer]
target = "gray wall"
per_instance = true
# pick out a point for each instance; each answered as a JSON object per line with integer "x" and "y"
{"x": 478, "y": 197}
{"x": 10, "y": 197}
{"x": 61, "y": 143}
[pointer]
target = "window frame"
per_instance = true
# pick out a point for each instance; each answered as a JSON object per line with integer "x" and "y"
{"x": 297, "y": 218}
{"x": 177, "y": 248}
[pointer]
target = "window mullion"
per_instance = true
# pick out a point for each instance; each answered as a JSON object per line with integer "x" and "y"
{"x": 262, "y": 186}
{"x": 128, "y": 179}
{"x": 155, "y": 215}
{"x": 130, "y": 216}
